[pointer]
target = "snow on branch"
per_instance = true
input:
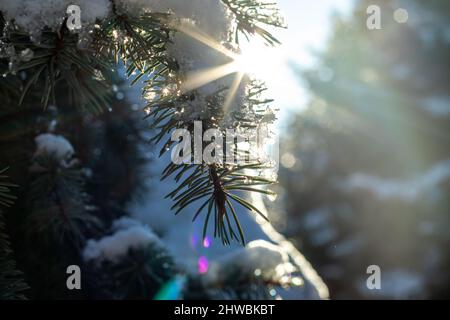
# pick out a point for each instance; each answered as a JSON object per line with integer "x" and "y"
{"x": 129, "y": 234}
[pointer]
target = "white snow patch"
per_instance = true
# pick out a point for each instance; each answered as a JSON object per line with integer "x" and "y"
{"x": 269, "y": 259}
{"x": 32, "y": 15}
{"x": 59, "y": 146}
{"x": 210, "y": 15}
{"x": 133, "y": 235}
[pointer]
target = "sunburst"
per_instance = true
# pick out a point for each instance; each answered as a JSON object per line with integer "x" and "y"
{"x": 255, "y": 59}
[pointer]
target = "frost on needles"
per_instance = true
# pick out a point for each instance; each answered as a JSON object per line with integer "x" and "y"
{"x": 163, "y": 44}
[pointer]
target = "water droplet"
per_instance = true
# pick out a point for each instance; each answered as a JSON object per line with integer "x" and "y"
{"x": 272, "y": 197}
{"x": 120, "y": 95}
{"x": 401, "y": 15}
{"x": 297, "y": 281}
{"x": 207, "y": 242}
{"x": 26, "y": 55}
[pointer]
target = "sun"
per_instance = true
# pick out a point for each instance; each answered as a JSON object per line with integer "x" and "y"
{"x": 255, "y": 59}
{"x": 259, "y": 60}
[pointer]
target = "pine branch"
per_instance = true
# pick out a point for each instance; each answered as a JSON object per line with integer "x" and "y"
{"x": 12, "y": 285}
{"x": 214, "y": 188}
{"x": 140, "y": 43}
{"x": 138, "y": 275}
{"x": 253, "y": 16}
{"x": 58, "y": 63}
{"x": 60, "y": 206}
{"x": 217, "y": 187}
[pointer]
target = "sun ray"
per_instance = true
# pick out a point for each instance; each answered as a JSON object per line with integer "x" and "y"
{"x": 257, "y": 60}
{"x": 200, "y": 78}
{"x": 232, "y": 91}
{"x": 194, "y": 32}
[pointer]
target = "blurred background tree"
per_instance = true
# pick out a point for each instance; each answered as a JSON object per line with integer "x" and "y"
{"x": 365, "y": 169}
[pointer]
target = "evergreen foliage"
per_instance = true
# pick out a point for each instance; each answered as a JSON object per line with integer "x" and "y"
{"x": 65, "y": 84}
{"x": 12, "y": 285}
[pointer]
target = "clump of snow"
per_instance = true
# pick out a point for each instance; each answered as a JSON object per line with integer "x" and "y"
{"x": 32, "y": 15}
{"x": 406, "y": 190}
{"x": 259, "y": 257}
{"x": 56, "y": 145}
{"x": 129, "y": 234}
{"x": 209, "y": 15}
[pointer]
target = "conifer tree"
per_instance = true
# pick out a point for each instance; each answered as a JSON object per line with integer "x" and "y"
{"x": 76, "y": 145}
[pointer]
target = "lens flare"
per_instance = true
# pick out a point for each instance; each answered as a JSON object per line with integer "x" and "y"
{"x": 171, "y": 290}
{"x": 207, "y": 242}
{"x": 203, "y": 265}
{"x": 193, "y": 241}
